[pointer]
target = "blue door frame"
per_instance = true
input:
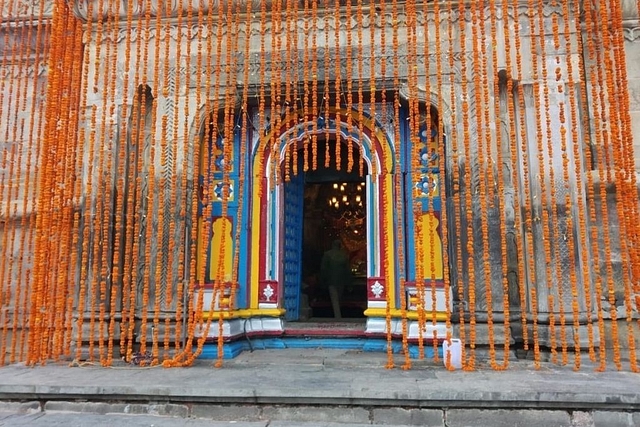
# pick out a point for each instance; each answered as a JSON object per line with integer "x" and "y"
{"x": 292, "y": 223}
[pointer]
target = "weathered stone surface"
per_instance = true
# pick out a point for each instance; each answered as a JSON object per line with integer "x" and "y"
{"x": 169, "y": 409}
{"x": 226, "y": 412}
{"x": 505, "y": 418}
{"x": 582, "y": 419}
{"x": 69, "y": 419}
{"x": 412, "y": 417}
{"x": 317, "y": 413}
{"x": 86, "y": 407}
{"x": 20, "y": 407}
{"x": 313, "y": 424}
{"x": 615, "y": 419}
{"x": 560, "y": 333}
{"x": 165, "y": 409}
{"x": 482, "y": 333}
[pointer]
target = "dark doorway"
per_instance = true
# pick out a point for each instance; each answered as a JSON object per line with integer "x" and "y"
{"x": 335, "y": 208}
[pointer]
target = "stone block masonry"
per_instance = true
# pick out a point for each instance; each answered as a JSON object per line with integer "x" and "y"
{"x": 336, "y": 415}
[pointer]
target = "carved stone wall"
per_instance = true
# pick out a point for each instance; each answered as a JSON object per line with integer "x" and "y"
{"x": 23, "y": 84}
{"x": 178, "y": 91}
{"x": 631, "y": 26}
{"x": 26, "y": 9}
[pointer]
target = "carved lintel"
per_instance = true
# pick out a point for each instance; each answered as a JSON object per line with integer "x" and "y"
{"x": 91, "y": 10}
{"x": 26, "y": 10}
{"x": 14, "y": 71}
{"x": 272, "y": 67}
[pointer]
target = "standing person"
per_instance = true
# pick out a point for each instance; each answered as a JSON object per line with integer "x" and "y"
{"x": 335, "y": 274}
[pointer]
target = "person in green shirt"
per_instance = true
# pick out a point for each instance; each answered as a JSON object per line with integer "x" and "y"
{"x": 335, "y": 274}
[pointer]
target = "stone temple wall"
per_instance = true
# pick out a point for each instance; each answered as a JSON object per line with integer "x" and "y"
{"x": 631, "y": 25}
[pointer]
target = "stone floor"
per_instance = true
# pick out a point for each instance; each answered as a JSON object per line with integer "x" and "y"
{"x": 331, "y": 386}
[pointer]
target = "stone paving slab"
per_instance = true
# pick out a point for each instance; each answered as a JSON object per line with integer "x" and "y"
{"x": 326, "y": 377}
{"x": 111, "y": 420}
{"x": 453, "y": 418}
{"x": 84, "y": 420}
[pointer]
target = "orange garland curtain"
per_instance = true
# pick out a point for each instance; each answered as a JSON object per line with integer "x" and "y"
{"x": 104, "y": 109}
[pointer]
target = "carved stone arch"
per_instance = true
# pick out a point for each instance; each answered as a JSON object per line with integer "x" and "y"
{"x": 195, "y": 138}
{"x": 446, "y": 115}
{"x": 460, "y": 182}
{"x": 196, "y": 133}
{"x": 431, "y": 98}
{"x": 450, "y": 118}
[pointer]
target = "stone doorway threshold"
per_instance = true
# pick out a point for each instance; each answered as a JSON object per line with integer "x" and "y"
{"x": 343, "y": 328}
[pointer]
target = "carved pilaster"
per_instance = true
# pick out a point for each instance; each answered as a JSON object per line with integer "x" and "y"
{"x": 629, "y": 11}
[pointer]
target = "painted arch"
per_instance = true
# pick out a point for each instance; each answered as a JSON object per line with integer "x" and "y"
{"x": 267, "y": 233}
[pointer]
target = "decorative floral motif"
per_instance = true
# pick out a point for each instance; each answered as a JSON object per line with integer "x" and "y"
{"x": 218, "y": 153}
{"x": 428, "y": 158}
{"x": 268, "y": 292}
{"x": 218, "y": 191}
{"x": 427, "y": 186}
{"x": 377, "y": 289}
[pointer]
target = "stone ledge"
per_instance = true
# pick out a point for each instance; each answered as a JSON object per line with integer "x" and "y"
{"x": 159, "y": 409}
{"x": 20, "y": 407}
{"x": 176, "y": 396}
{"x": 326, "y": 416}
{"x": 505, "y": 418}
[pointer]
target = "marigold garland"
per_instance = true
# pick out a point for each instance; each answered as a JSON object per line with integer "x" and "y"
{"x": 630, "y": 186}
{"x": 414, "y": 167}
{"x": 241, "y": 173}
{"x": 397, "y": 181}
{"x": 574, "y": 275}
{"x": 315, "y": 112}
{"x": 584, "y": 193}
{"x": 515, "y": 97}
{"x": 386, "y": 197}
{"x": 455, "y": 191}
{"x": 81, "y": 185}
{"x": 21, "y": 297}
{"x": 467, "y": 210}
{"x": 326, "y": 99}
{"x": 360, "y": 98}
{"x": 14, "y": 217}
{"x": 349, "y": 78}
{"x": 612, "y": 159}
{"x": 455, "y": 194}
{"x": 603, "y": 115}
{"x": 595, "y": 78}
{"x": 554, "y": 197}
{"x": 500, "y": 181}
{"x": 485, "y": 168}
{"x": 84, "y": 272}
{"x": 9, "y": 211}
{"x": 306, "y": 90}
{"x": 540, "y": 75}
{"x": 337, "y": 82}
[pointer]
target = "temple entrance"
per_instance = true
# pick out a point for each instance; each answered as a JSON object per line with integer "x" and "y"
{"x": 333, "y": 237}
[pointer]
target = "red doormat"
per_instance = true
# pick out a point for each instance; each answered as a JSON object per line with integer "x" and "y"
{"x": 325, "y": 329}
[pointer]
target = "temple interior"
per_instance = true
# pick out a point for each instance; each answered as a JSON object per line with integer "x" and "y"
{"x": 335, "y": 209}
